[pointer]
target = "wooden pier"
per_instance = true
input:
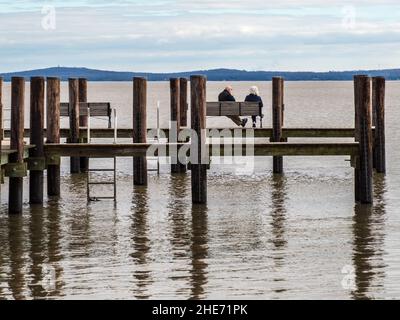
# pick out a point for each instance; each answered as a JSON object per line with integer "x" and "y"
{"x": 367, "y": 151}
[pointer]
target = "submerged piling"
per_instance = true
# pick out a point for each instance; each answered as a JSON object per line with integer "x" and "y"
{"x": 183, "y": 84}
{"x": 83, "y": 120}
{"x": 18, "y": 170}
{"x": 53, "y": 135}
{"x": 378, "y": 103}
{"x": 365, "y": 161}
{"x": 74, "y": 121}
{"x": 199, "y": 125}
{"x": 140, "y": 129}
{"x": 277, "y": 119}
{"x": 36, "y": 155}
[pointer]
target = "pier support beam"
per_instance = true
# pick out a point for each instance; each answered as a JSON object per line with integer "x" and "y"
{"x": 74, "y": 120}
{"x": 53, "y": 134}
{"x": 83, "y": 120}
{"x": 140, "y": 129}
{"x": 199, "y": 125}
{"x": 277, "y": 119}
{"x": 183, "y": 83}
{"x": 364, "y": 164}
{"x": 378, "y": 108}
{"x": 36, "y": 155}
{"x": 176, "y": 166}
{"x": 15, "y": 200}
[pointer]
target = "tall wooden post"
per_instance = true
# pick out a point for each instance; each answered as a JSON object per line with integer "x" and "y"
{"x": 277, "y": 115}
{"x": 379, "y": 84}
{"x": 176, "y": 166}
{"x": 53, "y": 134}
{"x": 36, "y": 155}
{"x": 198, "y": 117}
{"x": 83, "y": 120}
{"x": 15, "y": 200}
{"x": 1, "y": 111}
{"x": 140, "y": 128}
{"x": 74, "y": 120}
{"x": 183, "y": 83}
{"x": 365, "y": 161}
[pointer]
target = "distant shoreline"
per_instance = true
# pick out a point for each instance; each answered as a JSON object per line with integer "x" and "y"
{"x": 228, "y": 75}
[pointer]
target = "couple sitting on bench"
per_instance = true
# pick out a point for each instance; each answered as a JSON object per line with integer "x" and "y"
{"x": 254, "y": 96}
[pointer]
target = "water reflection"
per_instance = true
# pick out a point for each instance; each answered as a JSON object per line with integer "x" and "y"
{"x": 16, "y": 278}
{"x": 278, "y": 197}
{"x": 199, "y": 250}
{"x": 368, "y": 229}
{"x": 141, "y": 243}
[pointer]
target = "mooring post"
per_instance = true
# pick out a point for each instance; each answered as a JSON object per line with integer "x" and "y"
{"x": 176, "y": 166}
{"x": 53, "y": 135}
{"x": 15, "y": 201}
{"x": 140, "y": 129}
{"x": 277, "y": 114}
{"x": 36, "y": 155}
{"x": 199, "y": 125}
{"x": 365, "y": 161}
{"x": 183, "y": 83}
{"x": 357, "y": 102}
{"x": 83, "y": 120}
{"x": 74, "y": 120}
{"x": 378, "y": 102}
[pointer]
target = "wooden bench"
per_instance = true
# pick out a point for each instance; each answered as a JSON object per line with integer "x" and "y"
{"x": 241, "y": 109}
{"x": 97, "y": 109}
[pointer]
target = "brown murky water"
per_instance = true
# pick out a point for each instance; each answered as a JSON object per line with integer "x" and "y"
{"x": 259, "y": 237}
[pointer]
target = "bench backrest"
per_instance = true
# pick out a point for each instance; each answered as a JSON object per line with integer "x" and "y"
{"x": 242, "y": 109}
{"x": 97, "y": 109}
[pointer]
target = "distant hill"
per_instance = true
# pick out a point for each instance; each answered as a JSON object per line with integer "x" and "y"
{"x": 213, "y": 75}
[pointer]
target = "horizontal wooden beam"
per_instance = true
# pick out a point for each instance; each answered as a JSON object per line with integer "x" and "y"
{"x": 258, "y": 133}
{"x": 6, "y": 152}
{"x": 267, "y": 149}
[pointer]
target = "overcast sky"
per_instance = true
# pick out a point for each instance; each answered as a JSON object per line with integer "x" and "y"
{"x": 183, "y": 35}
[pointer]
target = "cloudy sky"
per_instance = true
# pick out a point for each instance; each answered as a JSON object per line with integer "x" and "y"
{"x": 182, "y": 35}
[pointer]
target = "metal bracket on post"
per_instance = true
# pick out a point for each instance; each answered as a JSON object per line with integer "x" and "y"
{"x": 53, "y": 160}
{"x": 16, "y": 170}
{"x": 36, "y": 164}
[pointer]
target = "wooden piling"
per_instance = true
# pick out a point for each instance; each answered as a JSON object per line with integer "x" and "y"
{"x": 198, "y": 124}
{"x": 183, "y": 83}
{"x": 365, "y": 161}
{"x": 379, "y": 84}
{"x": 83, "y": 120}
{"x": 277, "y": 115}
{"x": 176, "y": 166}
{"x": 36, "y": 155}
{"x": 53, "y": 134}
{"x": 15, "y": 201}
{"x": 357, "y": 101}
{"x": 140, "y": 128}
{"x": 74, "y": 120}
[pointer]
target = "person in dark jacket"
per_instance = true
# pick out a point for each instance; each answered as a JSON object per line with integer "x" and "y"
{"x": 254, "y": 96}
{"x": 226, "y": 96}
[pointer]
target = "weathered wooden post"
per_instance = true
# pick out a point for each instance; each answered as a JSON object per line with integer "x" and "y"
{"x": 53, "y": 135}
{"x": 37, "y": 162}
{"x": 176, "y": 166}
{"x": 198, "y": 119}
{"x": 17, "y": 166}
{"x": 378, "y": 103}
{"x": 277, "y": 114}
{"x": 140, "y": 128}
{"x": 183, "y": 83}
{"x": 74, "y": 120}
{"x": 83, "y": 120}
{"x": 1, "y": 111}
{"x": 365, "y": 160}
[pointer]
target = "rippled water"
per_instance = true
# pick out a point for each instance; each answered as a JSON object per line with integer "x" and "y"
{"x": 259, "y": 237}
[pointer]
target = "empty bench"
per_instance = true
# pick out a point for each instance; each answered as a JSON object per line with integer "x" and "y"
{"x": 97, "y": 109}
{"x": 241, "y": 109}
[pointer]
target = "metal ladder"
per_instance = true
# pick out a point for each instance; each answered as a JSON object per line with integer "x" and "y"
{"x": 113, "y": 170}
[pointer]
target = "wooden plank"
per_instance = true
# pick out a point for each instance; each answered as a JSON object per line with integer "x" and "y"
{"x": 263, "y": 149}
{"x": 249, "y": 109}
{"x": 97, "y": 109}
{"x": 213, "y": 109}
{"x": 230, "y": 108}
